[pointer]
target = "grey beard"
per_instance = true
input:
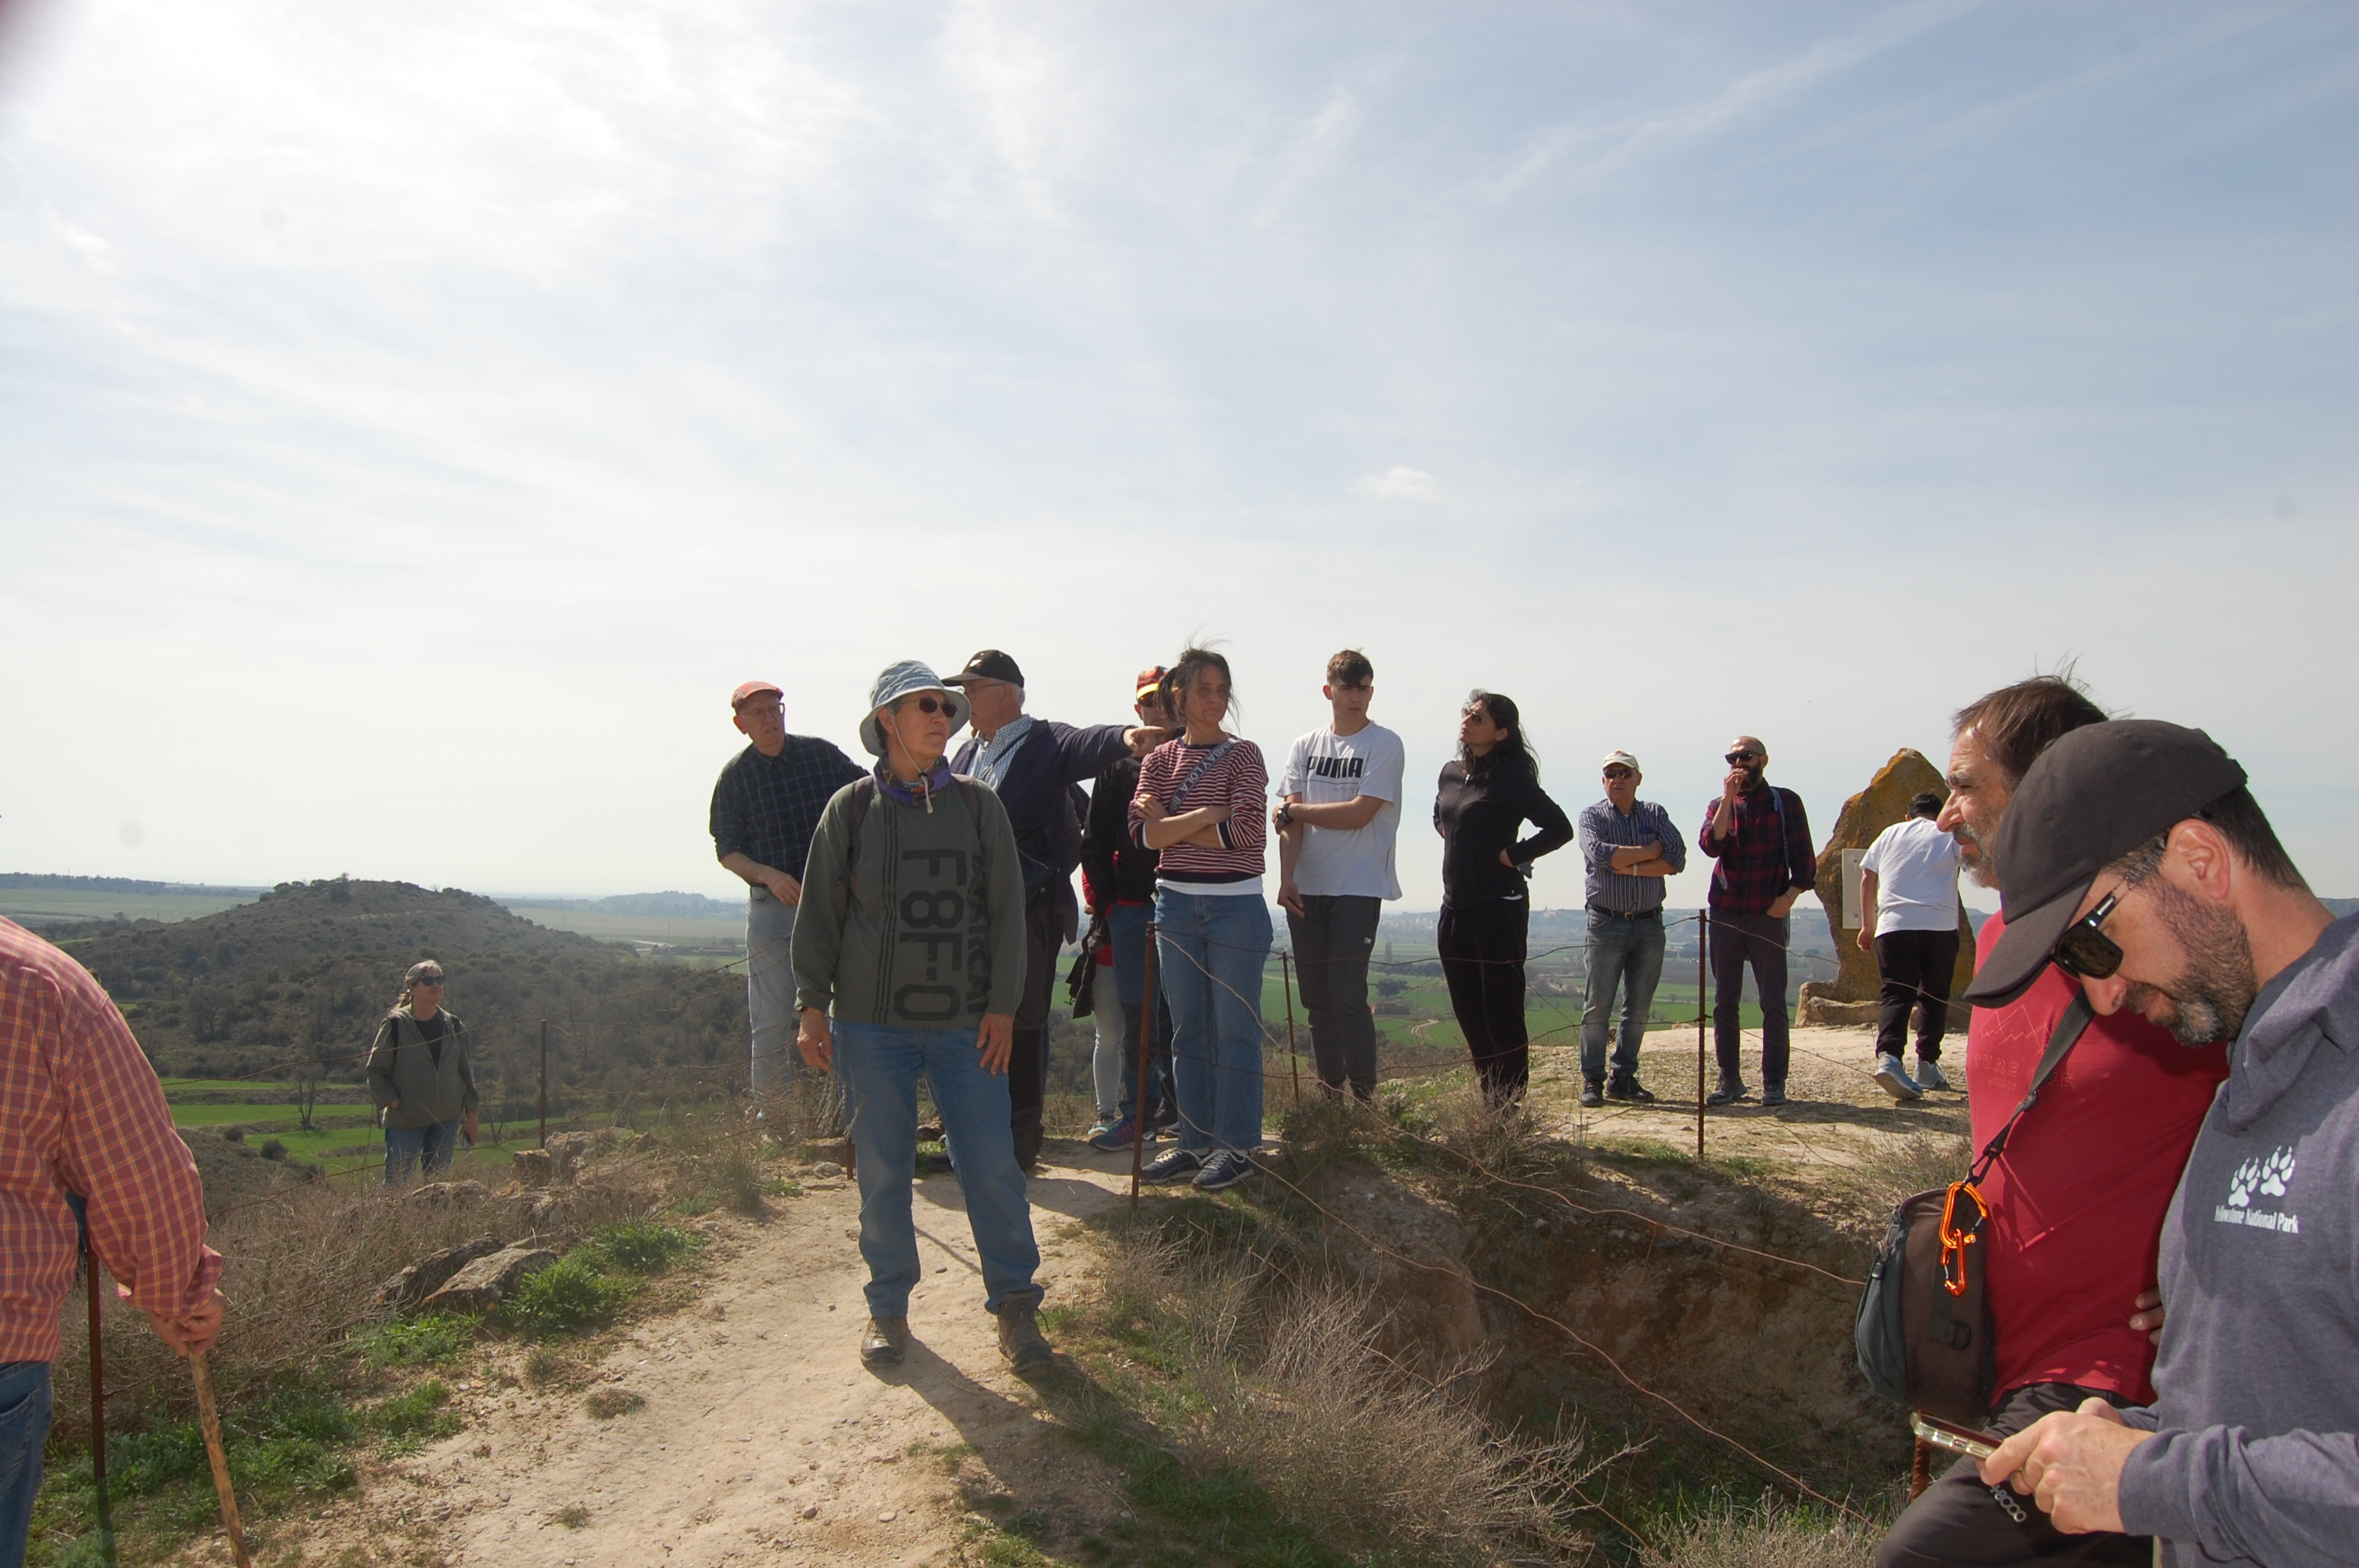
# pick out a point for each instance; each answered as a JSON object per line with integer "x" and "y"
{"x": 1980, "y": 866}
{"x": 2211, "y": 997}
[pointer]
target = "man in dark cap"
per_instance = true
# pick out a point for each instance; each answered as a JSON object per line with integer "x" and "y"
{"x": 1035, "y": 765}
{"x": 2136, "y": 861}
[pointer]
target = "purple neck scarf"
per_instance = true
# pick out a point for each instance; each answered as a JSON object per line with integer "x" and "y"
{"x": 933, "y": 782}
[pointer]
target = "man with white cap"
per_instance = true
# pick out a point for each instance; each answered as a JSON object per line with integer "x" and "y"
{"x": 909, "y": 962}
{"x": 1629, "y": 845}
{"x": 764, "y": 805}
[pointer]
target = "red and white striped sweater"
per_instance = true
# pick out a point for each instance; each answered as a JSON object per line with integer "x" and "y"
{"x": 1240, "y": 780}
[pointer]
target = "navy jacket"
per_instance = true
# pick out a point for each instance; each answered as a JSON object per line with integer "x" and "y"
{"x": 1038, "y": 787}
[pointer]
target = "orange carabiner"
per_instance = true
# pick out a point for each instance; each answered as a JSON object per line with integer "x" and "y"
{"x": 1955, "y": 1240}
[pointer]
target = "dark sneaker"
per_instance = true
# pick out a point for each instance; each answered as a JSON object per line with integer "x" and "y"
{"x": 1731, "y": 1091}
{"x": 1895, "y": 1081}
{"x": 1166, "y": 1119}
{"x": 1020, "y": 1342}
{"x": 1172, "y": 1165}
{"x": 1593, "y": 1093}
{"x": 1629, "y": 1089}
{"x": 1224, "y": 1169}
{"x": 883, "y": 1342}
{"x": 1773, "y": 1094}
{"x": 1928, "y": 1074}
{"x": 1111, "y": 1140}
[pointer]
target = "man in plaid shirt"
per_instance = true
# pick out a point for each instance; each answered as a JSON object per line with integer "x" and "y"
{"x": 764, "y": 808}
{"x": 81, "y": 1116}
{"x": 1761, "y": 838}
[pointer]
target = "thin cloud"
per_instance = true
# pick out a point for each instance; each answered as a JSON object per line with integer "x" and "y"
{"x": 1399, "y": 484}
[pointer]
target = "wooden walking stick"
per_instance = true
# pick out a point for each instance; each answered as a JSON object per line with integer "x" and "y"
{"x": 209, "y": 1418}
{"x": 1146, "y": 1020}
{"x": 1704, "y": 925}
{"x": 1293, "y": 1058}
{"x": 97, "y": 1375}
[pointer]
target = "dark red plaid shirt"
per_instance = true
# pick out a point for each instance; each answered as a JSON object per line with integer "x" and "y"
{"x": 81, "y": 1111}
{"x": 1758, "y": 864}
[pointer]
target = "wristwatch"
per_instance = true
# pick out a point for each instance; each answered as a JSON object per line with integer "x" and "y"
{"x": 1286, "y": 814}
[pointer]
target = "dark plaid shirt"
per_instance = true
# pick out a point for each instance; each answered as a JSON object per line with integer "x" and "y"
{"x": 1755, "y": 865}
{"x": 768, "y": 807}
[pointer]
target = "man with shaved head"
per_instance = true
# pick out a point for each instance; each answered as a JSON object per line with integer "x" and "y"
{"x": 1761, "y": 839}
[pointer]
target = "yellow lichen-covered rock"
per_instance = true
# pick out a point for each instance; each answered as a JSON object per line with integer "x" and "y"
{"x": 1884, "y": 802}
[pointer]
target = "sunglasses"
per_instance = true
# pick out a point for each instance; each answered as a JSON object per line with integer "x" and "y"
{"x": 1735, "y": 757}
{"x": 2086, "y": 951}
{"x": 1620, "y": 773}
{"x": 427, "y": 980}
{"x": 948, "y": 705}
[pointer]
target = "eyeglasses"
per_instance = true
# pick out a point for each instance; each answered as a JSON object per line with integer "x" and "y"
{"x": 2084, "y": 950}
{"x": 1621, "y": 773}
{"x": 1735, "y": 757}
{"x": 427, "y": 980}
{"x": 948, "y": 705}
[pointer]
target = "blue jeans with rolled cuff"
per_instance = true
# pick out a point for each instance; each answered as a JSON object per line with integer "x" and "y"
{"x": 1211, "y": 949}
{"x": 880, "y": 1065}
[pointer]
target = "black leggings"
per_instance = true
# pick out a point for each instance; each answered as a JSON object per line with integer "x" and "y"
{"x": 1917, "y": 967}
{"x": 1483, "y": 958}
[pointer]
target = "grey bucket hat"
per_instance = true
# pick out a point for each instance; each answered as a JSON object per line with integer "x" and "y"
{"x": 906, "y": 679}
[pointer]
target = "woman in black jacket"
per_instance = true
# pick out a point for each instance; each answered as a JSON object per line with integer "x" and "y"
{"x": 1484, "y": 798}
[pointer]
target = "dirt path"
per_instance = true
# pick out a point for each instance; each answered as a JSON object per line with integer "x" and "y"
{"x": 761, "y": 1438}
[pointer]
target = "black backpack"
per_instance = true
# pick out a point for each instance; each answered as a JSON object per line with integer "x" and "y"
{"x": 863, "y": 796}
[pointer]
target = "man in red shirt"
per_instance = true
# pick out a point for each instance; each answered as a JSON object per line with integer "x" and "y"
{"x": 81, "y": 1114}
{"x": 2077, "y": 1201}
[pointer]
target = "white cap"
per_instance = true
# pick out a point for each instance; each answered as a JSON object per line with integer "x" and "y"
{"x": 1622, "y": 759}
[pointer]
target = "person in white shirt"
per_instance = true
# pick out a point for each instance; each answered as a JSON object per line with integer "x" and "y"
{"x": 1908, "y": 888}
{"x": 1338, "y": 815}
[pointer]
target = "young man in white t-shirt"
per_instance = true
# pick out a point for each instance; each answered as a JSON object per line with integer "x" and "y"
{"x": 1909, "y": 891}
{"x": 1338, "y": 814}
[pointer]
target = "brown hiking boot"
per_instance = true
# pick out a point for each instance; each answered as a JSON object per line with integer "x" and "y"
{"x": 887, "y": 1339}
{"x": 1020, "y": 1341}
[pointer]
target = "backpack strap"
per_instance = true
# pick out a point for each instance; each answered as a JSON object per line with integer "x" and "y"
{"x": 864, "y": 796}
{"x": 2076, "y": 1018}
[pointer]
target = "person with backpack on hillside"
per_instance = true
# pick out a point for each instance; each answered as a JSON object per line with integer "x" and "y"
{"x": 1033, "y": 765}
{"x": 1200, "y": 803}
{"x": 1761, "y": 837}
{"x": 1337, "y": 819}
{"x": 421, "y": 1072}
{"x": 1486, "y": 795}
{"x": 764, "y": 805}
{"x": 909, "y": 963}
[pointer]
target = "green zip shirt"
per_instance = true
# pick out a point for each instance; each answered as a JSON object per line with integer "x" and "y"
{"x": 926, "y": 932}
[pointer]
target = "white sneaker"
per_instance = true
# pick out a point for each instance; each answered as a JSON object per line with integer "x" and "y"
{"x": 1895, "y": 1080}
{"x": 1928, "y": 1074}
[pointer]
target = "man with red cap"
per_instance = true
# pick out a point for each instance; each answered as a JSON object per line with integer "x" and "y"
{"x": 765, "y": 807}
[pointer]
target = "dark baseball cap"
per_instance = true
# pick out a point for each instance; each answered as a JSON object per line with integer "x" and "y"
{"x": 989, "y": 665}
{"x": 2093, "y": 796}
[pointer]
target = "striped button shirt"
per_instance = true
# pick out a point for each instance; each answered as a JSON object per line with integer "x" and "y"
{"x": 1604, "y": 830}
{"x": 81, "y": 1111}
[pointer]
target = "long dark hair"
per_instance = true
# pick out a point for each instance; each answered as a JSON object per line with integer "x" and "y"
{"x": 1513, "y": 750}
{"x": 1192, "y": 663}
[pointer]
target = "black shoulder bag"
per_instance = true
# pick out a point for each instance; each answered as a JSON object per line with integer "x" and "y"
{"x": 1923, "y": 1333}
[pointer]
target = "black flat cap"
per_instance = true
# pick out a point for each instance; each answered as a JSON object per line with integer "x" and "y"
{"x": 2093, "y": 796}
{"x": 989, "y": 665}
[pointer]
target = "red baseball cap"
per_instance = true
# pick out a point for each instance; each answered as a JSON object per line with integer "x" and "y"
{"x": 753, "y": 689}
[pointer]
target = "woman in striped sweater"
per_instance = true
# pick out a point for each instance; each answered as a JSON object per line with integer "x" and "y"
{"x": 1200, "y": 803}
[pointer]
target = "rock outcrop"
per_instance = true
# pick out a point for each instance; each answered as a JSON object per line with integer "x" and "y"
{"x": 410, "y": 1288}
{"x": 483, "y": 1283}
{"x": 1849, "y": 996}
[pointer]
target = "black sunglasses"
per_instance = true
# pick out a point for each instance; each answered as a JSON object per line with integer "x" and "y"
{"x": 939, "y": 705}
{"x": 1735, "y": 757}
{"x": 1621, "y": 773}
{"x": 427, "y": 980}
{"x": 2084, "y": 950}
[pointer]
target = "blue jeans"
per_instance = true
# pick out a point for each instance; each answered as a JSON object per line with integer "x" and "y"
{"x": 405, "y": 1147}
{"x": 24, "y": 1428}
{"x": 1625, "y": 951}
{"x": 1212, "y": 951}
{"x": 880, "y": 1065}
{"x": 770, "y": 988}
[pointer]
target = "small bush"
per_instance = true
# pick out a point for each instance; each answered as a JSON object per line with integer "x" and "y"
{"x": 607, "y": 1403}
{"x": 427, "y": 1341}
{"x": 408, "y": 1422}
{"x": 1766, "y": 1535}
{"x": 545, "y": 1367}
{"x": 641, "y": 1247}
{"x": 273, "y": 1149}
{"x": 233, "y": 1134}
{"x": 567, "y": 1295}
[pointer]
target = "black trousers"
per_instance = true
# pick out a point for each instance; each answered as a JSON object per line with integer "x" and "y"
{"x": 1047, "y": 921}
{"x": 1957, "y": 1521}
{"x": 1331, "y": 944}
{"x": 1483, "y": 958}
{"x": 1917, "y": 967}
{"x": 1758, "y": 940}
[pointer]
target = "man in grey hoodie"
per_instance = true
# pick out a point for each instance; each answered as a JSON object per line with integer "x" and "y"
{"x": 2138, "y": 862}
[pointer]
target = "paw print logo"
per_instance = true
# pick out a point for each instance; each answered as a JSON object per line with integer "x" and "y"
{"x": 2241, "y": 1185}
{"x": 2276, "y": 1171}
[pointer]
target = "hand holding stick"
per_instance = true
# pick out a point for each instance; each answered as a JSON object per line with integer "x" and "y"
{"x": 209, "y": 1418}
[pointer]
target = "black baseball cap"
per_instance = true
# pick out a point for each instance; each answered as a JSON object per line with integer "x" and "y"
{"x": 989, "y": 665}
{"x": 2093, "y": 796}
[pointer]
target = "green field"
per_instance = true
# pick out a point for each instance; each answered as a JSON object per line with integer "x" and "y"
{"x": 35, "y": 907}
{"x": 343, "y": 1136}
{"x": 673, "y": 931}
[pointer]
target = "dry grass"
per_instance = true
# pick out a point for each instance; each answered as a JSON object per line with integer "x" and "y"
{"x": 1278, "y": 1372}
{"x": 1900, "y": 1168}
{"x": 1766, "y": 1535}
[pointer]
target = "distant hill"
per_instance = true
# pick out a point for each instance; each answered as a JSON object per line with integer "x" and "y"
{"x": 303, "y": 974}
{"x": 113, "y": 884}
{"x": 673, "y": 905}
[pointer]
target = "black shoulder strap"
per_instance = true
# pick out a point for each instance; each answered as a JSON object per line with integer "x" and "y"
{"x": 2060, "y": 1045}
{"x": 863, "y": 796}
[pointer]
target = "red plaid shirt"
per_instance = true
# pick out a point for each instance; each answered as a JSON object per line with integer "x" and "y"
{"x": 81, "y": 1111}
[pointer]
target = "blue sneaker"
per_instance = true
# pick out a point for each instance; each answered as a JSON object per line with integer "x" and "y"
{"x": 1114, "y": 1138}
{"x": 1224, "y": 1169}
{"x": 1172, "y": 1165}
{"x": 1895, "y": 1081}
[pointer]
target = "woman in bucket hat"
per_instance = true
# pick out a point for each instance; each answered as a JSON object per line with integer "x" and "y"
{"x": 910, "y": 961}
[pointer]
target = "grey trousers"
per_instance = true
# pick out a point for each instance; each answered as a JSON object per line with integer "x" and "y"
{"x": 770, "y": 988}
{"x": 1332, "y": 941}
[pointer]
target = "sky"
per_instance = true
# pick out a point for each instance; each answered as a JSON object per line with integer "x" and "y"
{"x": 415, "y": 420}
